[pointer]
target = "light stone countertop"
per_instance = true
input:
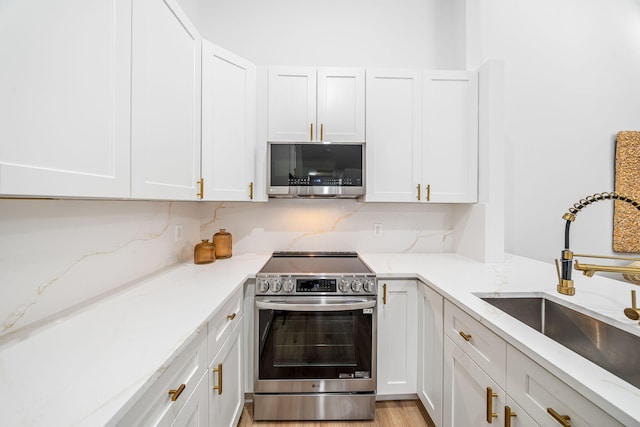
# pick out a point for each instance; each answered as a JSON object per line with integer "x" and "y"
{"x": 89, "y": 367}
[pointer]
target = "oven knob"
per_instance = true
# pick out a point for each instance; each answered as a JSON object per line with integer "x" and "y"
{"x": 263, "y": 285}
{"x": 369, "y": 286}
{"x": 344, "y": 285}
{"x": 276, "y": 284}
{"x": 356, "y": 285}
{"x": 288, "y": 286}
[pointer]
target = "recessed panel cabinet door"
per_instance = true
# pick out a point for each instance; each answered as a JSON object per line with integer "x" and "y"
{"x": 292, "y": 104}
{"x": 430, "y": 340}
{"x": 166, "y": 82}
{"x": 64, "y": 98}
{"x": 450, "y": 136}
{"x": 394, "y": 123}
{"x": 228, "y": 124}
{"x": 341, "y": 104}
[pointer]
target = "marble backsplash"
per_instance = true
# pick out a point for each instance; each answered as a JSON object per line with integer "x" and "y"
{"x": 57, "y": 256}
{"x": 330, "y": 225}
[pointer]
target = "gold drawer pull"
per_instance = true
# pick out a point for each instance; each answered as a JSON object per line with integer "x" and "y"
{"x": 507, "y": 416}
{"x": 564, "y": 420}
{"x": 311, "y": 132}
{"x": 465, "y": 336}
{"x": 176, "y": 393}
{"x": 384, "y": 294}
{"x": 218, "y": 370}
{"x": 428, "y": 192}
{"x": 251, "y": 190}
{"x": 490, "y": 414}
{"x": 418, "y": 188}
{"x": 231, "y": 316}
{"x": 321, "y": 131}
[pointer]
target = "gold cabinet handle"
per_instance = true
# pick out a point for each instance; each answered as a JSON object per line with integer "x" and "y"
{"x": 176, "y": 393}
{"x": 201, "y": 188}
{"x": 321, "y": 131}
{"x": 564, "y": 420}
{"x": 490, "y": 414}
{"x": 418, "y": 188}
{"x": 311, "y": 132}
{"x": 466, "y": 337}
{"x": 231, "y": 316}
{"x": 507, "y": 416}
{"x": 218, "y": 370}
{"x": 428, "y": 192}
{"x": 251, "y": 190}
{"x": 384, "y": 294}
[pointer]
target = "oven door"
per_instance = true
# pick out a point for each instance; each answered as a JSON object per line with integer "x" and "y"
{"x": 315, "y": 344}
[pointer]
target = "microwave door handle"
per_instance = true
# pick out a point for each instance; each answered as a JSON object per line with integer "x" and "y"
{"x": 315, "y": 306}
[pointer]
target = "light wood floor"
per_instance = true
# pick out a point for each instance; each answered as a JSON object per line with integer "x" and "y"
{"x": 400, "y": 413}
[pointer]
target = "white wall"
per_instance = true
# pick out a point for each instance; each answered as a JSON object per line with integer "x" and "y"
{"x": 572, "y": 72}
{"x": 373, "y": 33}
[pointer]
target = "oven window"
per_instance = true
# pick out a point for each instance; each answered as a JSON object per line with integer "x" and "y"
{"x": 315, "y": 345}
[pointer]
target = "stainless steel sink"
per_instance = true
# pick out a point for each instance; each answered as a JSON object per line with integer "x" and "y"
{"x": 611, "y": 348}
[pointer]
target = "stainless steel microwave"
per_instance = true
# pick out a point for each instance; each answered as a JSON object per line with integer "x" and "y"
{"x": 315, "y": 169}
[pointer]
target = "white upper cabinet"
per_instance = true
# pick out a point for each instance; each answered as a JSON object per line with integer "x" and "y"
{"x": 309, "y": 104}
{"x": 450, "y": 136}
{"x": 228, "y": 124}
{"x": 394, "y": 128}
{"x": 64, "y": 98}
{"x": 422, "y": 136}
{"x": 166, "y": 108}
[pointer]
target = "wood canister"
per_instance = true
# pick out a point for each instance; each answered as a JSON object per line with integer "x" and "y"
{"x": 222, "y": 241}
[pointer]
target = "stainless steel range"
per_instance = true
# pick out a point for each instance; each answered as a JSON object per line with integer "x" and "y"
{"x": 315, "y": 323}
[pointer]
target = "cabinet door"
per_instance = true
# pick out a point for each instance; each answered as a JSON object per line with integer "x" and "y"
{"x": 518, "y": 417}
{"x": 394, "y": 117}
{"x": 228, "y": 124}
{"x": 292, "y": 104}
{"x": 64, "y": 98}
{"x": 226, "y": 396}
{"x": 341, "y": 105}
{"x": 194, "y": 413}
{"x": 466, "y": 398}
{"x": 537, "y": 390}
{"x": 397, "y": 337}
{"x": 450, "y": 136}
{"x": 430, "y": 340}
{"x": 166, "y": 70}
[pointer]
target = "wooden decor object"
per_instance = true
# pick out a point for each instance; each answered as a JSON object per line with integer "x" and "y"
{"x": 626, "y": 218}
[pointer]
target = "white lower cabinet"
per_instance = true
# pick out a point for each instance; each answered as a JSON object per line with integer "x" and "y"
{"x": 430, "y": 350}
{"x": 397, "y": 337}
{"x": 173, "y": 391}
{"x": 540, "y": 394}
{"x": 226, "y": 396}
{"x": 471, "y": 397}
{"x": 194, "y": 413}
{"x": 515, "y": 416}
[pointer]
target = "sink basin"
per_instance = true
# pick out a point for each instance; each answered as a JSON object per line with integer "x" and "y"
{"x": 611, "y": 348}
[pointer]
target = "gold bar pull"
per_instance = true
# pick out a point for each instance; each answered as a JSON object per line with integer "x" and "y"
{"x": 218, "y": 370}
{"x": 465, "y": 336}
{"x": 384, "y": 294}
{"x": 311, "y": 132}
{"x": 428, "y": 192}
{"x": 490, "y": 414}
{"x": 507, "y": 416}
{"x": 201, "y": 187}
{"x": 564, "y": 420}
{"x": 418, "y": 188}
{"x": 321, "y": 131}
{"x": 176, "y": 393}
{"x": 251, "y": 190}
{"x": 231, "y": 316}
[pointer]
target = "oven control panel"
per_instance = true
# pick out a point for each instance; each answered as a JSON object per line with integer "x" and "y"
{"x": 336, "y": 286}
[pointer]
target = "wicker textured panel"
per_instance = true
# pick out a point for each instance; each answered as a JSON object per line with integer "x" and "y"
{"x": 626, "y": 218}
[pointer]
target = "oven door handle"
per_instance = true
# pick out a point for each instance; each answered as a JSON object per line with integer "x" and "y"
{"x": 315, "y": 305}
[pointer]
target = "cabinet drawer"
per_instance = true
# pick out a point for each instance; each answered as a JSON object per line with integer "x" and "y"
{"x": 536, "y": 390}
{"x": 156, "y": 407}
{"x": 223, "y": 321}
{"x": 484, "y": 347}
